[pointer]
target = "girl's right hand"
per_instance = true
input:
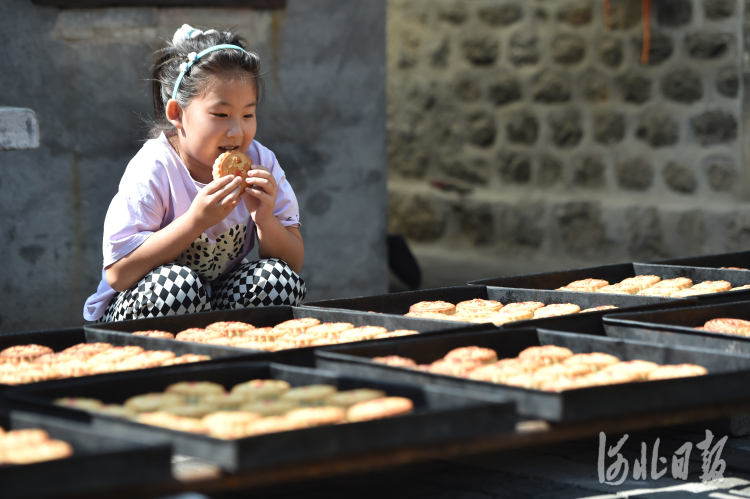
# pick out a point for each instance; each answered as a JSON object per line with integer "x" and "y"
{"x": 215, "y": 201}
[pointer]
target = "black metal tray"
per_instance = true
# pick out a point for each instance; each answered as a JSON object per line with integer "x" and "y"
{"x": 440, "y": 415}
{"x": 734, "y": 259}
{"x": 399, "y": 303}
{"x": 617, "y": 272}
{"x": 99, "y": 463}
{"x": 728, "y": 378}
{"x": 677, "y": 327}
{"x": 112, "y": 332}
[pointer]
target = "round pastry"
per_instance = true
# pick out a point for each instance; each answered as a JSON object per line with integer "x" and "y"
{"x": 361, "y": 333}
{"x": 477, "y": 305}
{"x": 229, "y": 424}
{"x": 310, "y": 395}
{"x": 263, "y": 334}
{"x": 298, "y": 325}
{"x": 453, "y": 367}
{"x": 561, "y": 370}
{"x": 396, "y": 333}
{"x": 523, "y": 380}
{"x": 620, "y": 289}
{"x": 71, "y": 368}
{"x": 194, "y": 390}
{"x": 677, "y": 371}
{"x": 80, "y": 403}
{"x": 191, "y": 410}
{"x": 233, "y": 163}
{"x": 601, "y": 307}
{"x": 656, "y": 291}
{"x": 385, "y": 407}
{"x": 440, "y": 307}
{"x": 268, "y": 407}
{"x": 187, "y": 358}
{"x": 507, "y": 315}
{"x": 152, "y": 402}
{"x": 196, "y": 335}
{"x": 473, "y": 353}
{"x": 638, "y": 368}
{"x": 274, "y": 424}
{"x": 395, "y": 361}
{"x": 733, "y": 268}
{"x": 225, "y": 401}
{"x": 686, "y": 293}
{"x": 729, "y": 326}
{"x": 145, "y": 360}
{"x": 713, "y": 286}
{"x": 230, "y": 328}
{"x": 116, "y": 354}
{"x": 17, "y": 438}
{"x": 426, "y": 315}
{"x": 24, "y": 353}
{"x": 530, "y": 306}
{"x": 641, "y": 281}
{"x": 490, "y": 373}
{"x": 740, "y": 288}
{"x": 348, "y": 398}
{"x": 87, "y": 349}
{"x": 261, "y": 389}
{"x": 328, "y": 329}
{"x": 547, "y": 354}
{"x": 677, "y": 283}
{"x": 317, "y": 416}
{"x": 115, "y": 410}
{"x": 173, "y": 422}
{"x": 155, "y": 334}
{"x": 595, "y": 360}
{"x": 556, "y": 309}
{"x": 585, "y": 285}
{"x": 608, "y": 376}
{"x": 43, "y": 451}
{"x": 224, "y": 341}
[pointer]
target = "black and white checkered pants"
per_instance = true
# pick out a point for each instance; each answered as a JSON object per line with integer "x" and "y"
{"x": 175, "y": 290}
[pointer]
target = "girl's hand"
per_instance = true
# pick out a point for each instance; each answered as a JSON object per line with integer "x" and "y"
{"x": 215, "y": 201}
{"x": 260, "y": 197}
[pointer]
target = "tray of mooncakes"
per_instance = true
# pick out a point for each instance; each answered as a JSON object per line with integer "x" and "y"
{"x": 504, "y": 307}
{"x": 556, "y": 376}
{"x": 725, "y": 328}
{"x": 280, "y": 334}
{"x": 45, "y": 458}
{"x": 648, "y": 281}
{"x": 248, "y": 415}
{"x": 37, "y": 356}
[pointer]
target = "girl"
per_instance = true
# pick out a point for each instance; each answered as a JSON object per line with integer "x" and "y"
{"x": 174, "y": 238}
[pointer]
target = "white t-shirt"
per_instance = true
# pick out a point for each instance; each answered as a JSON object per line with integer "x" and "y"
{"x": 155, "y": 189}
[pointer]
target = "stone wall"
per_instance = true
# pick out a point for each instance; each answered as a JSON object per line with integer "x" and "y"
{"x": 530, "y": 131}
{"x": 84, "y": 73}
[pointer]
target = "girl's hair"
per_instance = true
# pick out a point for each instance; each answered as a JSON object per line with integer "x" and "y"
{"x": 229, "y": 62}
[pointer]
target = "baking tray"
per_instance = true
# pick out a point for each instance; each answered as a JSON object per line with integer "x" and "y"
{"x": 615, "y": 273}
{"x": 112, "y": 332}
{"x": 99, "y": 463}
{"x": 728, "y": 378}
{"x": 399, "y": 303}
{"x": 733, "y": 259}
{"x": 677, "y": 327}
{"x": 440, "y": 415}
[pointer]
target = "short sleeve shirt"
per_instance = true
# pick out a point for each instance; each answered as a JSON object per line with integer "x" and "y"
{"x": 155, "y": 189}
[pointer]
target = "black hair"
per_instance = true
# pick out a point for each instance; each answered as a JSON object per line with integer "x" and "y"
{"x": 166, "y": 70}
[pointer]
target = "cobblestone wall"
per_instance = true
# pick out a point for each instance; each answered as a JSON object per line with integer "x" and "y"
{"x": 531, "y": 129}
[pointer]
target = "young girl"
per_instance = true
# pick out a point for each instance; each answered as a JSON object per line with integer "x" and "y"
{"x": 175, "y": 239}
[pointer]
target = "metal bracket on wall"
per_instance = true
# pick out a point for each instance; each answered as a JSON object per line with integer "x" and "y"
{"x": 19, "y": 129}
{"x": 92, "y": 4}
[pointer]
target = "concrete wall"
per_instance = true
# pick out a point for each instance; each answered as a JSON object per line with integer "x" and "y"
{"x": 84, "y": 73}
{"x": 530, "y": 133}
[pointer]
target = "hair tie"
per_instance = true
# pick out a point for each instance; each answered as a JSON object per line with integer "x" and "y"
{"x": 193, "y": 57}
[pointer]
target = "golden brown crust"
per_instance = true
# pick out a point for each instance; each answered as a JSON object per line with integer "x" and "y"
{"x": 677, "y": 371}
{"x": 477, "y": 305}
{"x": 601, "y": 307}
{"x": 155, "y": 334}
{"x": 395, "y": 360}
{"x": 585, "y": 285}
{"x": 385, "y": 407}
{"x": 232, "y": 163}
{"x": 440, "y": 307}
{"x": 556, "y": 309}
{"x": 729, "y": 326}
{"x": 473, "y": 354}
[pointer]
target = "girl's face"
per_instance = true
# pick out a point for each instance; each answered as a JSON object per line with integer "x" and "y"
{"x": 222, "y": 119}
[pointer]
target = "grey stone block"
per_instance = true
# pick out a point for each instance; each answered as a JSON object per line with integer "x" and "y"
{"x": 418, "y": 217}
{"x": 658, "y": 129}
{"x": 581, "y": 228}
{"x": 679, "y": 178}
{"x": 441, "y": 53}
{"x": 609, "y": 127}
{"x": 611, "y": 52}
{"x": 519, "y": 225}
{"x": 481, "y": 50}
{"x": 594, "y": 86}
{"x": 514, "y": 167}
{"x": 481, "y": 130}
{"x": 674, "y": 13}
{"x": 717, "y": 10}
{"x": 566, "y": 128}
{"x": 577, "y": 13}
{"x": 682, "y": 85}
{"x": 568, "y": 49}
{"x": 714, "y": 127}
{"x": 522, "y": 128}
{"x": 550, "y": 170}
{"x": 634, "y": 88}
{"x": 722, "y": 174}
{"x": 588, "y": 171}
{"x": 708, "y": 45}
{"x": 474, "y": 171}
{"x": 505, "y": 89}
{"x": 551, "y": 86}
{"x": 727, "y": 81}
{"x": 634, "y": 174}
{"x": 644, "y": 233}
{"x": 455, "y": 13}
{"x": 19, "y": 129}
{"x": 466, "y": 90}
{"x": 477, "y": 222}
{"x": 523, "y": 48}
{"x": 500, "y": 15}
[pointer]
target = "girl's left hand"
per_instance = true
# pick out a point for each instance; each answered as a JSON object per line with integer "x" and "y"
{"x": 260, "y": 196}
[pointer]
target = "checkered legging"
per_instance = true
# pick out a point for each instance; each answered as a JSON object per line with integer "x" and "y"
{"x": 175, "y": 290}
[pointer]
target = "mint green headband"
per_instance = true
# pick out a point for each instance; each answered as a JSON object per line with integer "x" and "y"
{"x": 193, "y": 57}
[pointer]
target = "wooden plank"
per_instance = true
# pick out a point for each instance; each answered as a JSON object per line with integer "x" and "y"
{"x": 528, "y": 433}
{"x": 91, "y": 4}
